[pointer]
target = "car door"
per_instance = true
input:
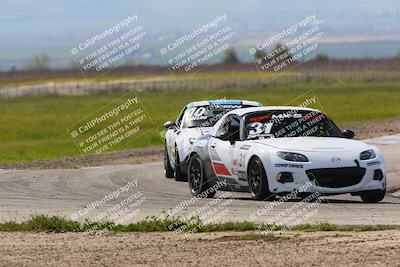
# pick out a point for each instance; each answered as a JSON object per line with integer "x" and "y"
{"x": 220, "y": 155}
{"x": 224, "y": 152}
{"x": 184, "y": 133}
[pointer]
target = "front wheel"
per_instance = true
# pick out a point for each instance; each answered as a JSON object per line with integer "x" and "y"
{"x": 198, "y": 184}
{"x": 258, "y": 182}
{"x": 373, "y": 196}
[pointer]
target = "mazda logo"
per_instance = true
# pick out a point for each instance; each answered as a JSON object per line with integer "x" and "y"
{"x": 335, "y": 160}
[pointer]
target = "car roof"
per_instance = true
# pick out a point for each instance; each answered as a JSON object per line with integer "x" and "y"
{"x": 244, "y": 111}
{"x": 220, "y": 102}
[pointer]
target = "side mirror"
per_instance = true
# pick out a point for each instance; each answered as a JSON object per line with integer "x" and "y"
{"x": 349, "y": 134}
{"x": 231, "y": 139}
{"x": 169, "y": 124}
{"x": 226, "y": 136}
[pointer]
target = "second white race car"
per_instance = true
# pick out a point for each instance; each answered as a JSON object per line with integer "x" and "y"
{"x": 277, "y": 150}
{"x": 195, "y": 119}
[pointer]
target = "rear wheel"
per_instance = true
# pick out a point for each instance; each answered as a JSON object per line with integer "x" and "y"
{"x": 198, "y": 184}
{"x": 258, "y": 182}
{"x": 373, "y": 196}
{"x": 179, "y": 175}
{"x": 169, "y": 172}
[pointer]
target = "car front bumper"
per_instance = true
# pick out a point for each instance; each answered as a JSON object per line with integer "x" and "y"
{"x": 322, "y": 177}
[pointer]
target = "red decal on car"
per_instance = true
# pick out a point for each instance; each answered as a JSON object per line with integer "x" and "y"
{"x": 220, "y": 169}
{"x": 260, "y": 118}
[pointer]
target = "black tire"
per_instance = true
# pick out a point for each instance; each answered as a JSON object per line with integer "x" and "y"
{"x": 373, "y": 196}
{"x": 198, "y": 184}
{"x": 179, "y": 175}
{"x": 258, "y": 182}
{"x": 169, "y": 172}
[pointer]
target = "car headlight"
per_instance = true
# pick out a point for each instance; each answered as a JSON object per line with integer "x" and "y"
{"x": 289, "y": 156}
{"x": 367, "y": 154}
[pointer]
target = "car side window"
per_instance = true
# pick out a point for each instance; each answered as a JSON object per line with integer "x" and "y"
{"x": 230, "y": 127}
{"x": 180, "y": 117}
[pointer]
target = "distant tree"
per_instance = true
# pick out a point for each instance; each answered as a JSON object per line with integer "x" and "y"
{"x": 321, "y": 57}
{"x": 129, "y": 62}
{"x": 260, "y": 54}
{"x": 13, "y": 69}
{"x": 38, "y": 62}
{"x": 398, "y": 55}
{"x": 281, "y": 52}
{"x": 230, "y": 56}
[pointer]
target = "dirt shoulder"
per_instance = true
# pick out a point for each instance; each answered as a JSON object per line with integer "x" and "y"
{"x": 134, "y": 156}
{"x": 131, "y": 156}
{"x": 202, "y": 249}
{"x": 371, "y": 129}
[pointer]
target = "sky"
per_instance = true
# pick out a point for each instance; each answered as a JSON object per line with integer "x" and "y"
{"x": 53, "y": 27}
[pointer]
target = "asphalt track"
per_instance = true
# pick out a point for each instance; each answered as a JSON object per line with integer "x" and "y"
{"x": 70, "y": 192}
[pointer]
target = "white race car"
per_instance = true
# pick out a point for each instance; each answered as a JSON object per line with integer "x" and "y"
{"x": 277, "y": 150}
{"x": 195, "y": 119}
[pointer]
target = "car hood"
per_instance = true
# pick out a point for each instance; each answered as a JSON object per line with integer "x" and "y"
{"x": 317, "y": 144}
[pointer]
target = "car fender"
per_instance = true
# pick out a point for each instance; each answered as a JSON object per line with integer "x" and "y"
{"x": 253, "y": 150}
{"x": 183, "y": 145}
{"x": 169, "y": 143}
{"x": 380, "y": 157}
{"x": 201, "y": 148}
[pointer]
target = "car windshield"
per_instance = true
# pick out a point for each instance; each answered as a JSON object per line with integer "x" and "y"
{"x": 289, "y": 123}
{"x": 206, "y": 116}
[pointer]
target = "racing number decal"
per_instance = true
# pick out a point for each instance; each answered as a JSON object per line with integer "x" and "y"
{"x": 197, "y": 113}
{"x": 260, "y": 128}
{"x": 238, "y": 163}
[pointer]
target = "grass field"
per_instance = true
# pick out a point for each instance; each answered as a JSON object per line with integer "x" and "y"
{"x": 115, "y": 77}
{"x": 34, "y": 128}
{"x": 43, "y": 223}
{"x": 335, "y": 75}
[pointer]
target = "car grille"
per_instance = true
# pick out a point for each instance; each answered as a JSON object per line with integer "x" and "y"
{"x": 336, "y": 177}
